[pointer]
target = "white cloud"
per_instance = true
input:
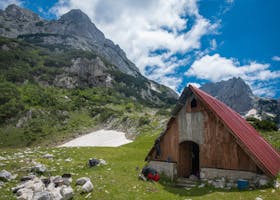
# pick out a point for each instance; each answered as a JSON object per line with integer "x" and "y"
{"x": 5, "y": 3}
{"x": 213, "y": 44}
{"x": 194, "y": 84}
{"x": 143, "y": 26}
{"x": 276, "y": 58}
{"x": 216, "y": 68}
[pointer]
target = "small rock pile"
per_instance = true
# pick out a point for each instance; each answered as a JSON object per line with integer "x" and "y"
{"x": 52, "y": 188}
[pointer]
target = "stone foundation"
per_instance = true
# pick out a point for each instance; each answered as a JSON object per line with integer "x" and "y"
{"x": 212, "y": 173}
{"x": 169, "y": 169}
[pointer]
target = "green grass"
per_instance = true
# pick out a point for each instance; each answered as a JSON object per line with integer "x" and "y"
{"x": 118, "y": 179}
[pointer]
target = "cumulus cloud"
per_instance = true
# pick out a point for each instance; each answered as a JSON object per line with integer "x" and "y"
{"x": 216, "y": 68}
{"x": 194, "y": 84}
{"x": 5, "y": 3}
{"x": 276, "y": 58}
{"x": 143, "y": 27}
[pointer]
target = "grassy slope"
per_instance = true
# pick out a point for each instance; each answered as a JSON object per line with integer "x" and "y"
{"x": 118, "y": 179}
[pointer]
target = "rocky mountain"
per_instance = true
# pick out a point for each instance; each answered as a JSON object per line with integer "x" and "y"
{"x": 239, "y": 96}
{"x": 92, "y": 60}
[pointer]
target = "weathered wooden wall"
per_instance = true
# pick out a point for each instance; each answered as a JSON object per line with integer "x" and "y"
{"x": 220, "y": 150}
{"x": 169, "y": 143}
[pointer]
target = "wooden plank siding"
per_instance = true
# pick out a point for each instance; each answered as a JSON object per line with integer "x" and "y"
{"x": 220, "y": 150}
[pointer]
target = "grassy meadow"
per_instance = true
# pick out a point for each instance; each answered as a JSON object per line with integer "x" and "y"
{"x": 119, "y": 178}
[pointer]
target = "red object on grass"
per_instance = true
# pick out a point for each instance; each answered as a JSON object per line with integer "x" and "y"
{"x": 153, "y": 177}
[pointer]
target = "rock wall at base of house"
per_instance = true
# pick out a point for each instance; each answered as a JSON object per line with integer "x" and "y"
{"x": 168, "y": 169}
{"x": 233, "y": 175}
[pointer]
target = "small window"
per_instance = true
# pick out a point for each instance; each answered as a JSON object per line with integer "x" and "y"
{"x": 193, "y": 103}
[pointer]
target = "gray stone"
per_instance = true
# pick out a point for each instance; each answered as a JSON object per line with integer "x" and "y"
{"x": 55, "y": 194}
{"x": 25, "y": 194}
{"x": 82, "y": 181}
{"x": 276, "y": 184}
{"x": 102, "y": 162}
{"x": 38, "y": 186}
{"x": 202, "y": 185}
{"x": 219, "y": 184}
{"x": 2, "y": 158}
{"x": 67, "y": 181}
{"x": 28, "y": 177}
{"x": 58, "y": 181}
{"x": 263, "y": 182}
{"x": 5, "y": 175}
{"x": 39, "y": 168}
{"x": 68, "y": 160}
{"x": 48, "y": 156}
{"x": 87, "y": 187}
{"x": 67, "y": 192}
{"x": 1, "y": 184}
{"x": 258, "y": 198}
{"x": 44, "y": 195}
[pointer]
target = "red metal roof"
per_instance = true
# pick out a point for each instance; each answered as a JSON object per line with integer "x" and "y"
{"x": 268, "y": 159}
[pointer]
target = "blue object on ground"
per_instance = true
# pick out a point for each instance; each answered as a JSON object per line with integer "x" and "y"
{"x": 242, "y": 184}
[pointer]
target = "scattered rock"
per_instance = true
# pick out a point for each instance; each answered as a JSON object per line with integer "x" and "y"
{"x": 219, "y": 184}
{"x": 202, "y": 185}
{"x": 193, "y": 177}
{"x": 25, "y": 194}
{"x": 58, "y": 181}
{"x": 48, "y": 156}
{"x": 39, "y": 168}
{"x": 258, "y": 198}
{"x": 2, "y": 158}
{"x": 276, "y": 184}
{"x": 1, "y": 184}
{"x": 82, "y": 181}
{"x": 67, "y": 192}
{"x": 5, "y": 175}
{"x": 263, "y": 182}
{"x": 55, "y": 194}
{"x": 87, "y": 187}
{"x": 28, "y": 177}
{"x": 68, "y": 160}
{"x": 102, "y": 162}
{"x": 44, "y": 195}
{"x": 142, "y": 177}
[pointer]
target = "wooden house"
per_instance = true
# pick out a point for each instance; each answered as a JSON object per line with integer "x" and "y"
{"x": 206, "y": 138}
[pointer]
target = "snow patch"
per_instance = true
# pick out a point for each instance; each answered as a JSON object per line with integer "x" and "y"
{"x": 101, "y": 138}
{"x": 253, "y": 113}
{"x": 153, "y": 87}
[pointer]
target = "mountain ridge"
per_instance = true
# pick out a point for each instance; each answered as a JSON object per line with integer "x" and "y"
{"x": 74, "y": 30}
{"x": 238, "y": 95}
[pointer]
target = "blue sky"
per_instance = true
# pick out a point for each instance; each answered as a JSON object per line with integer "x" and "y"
{"x": 177, "y": 42}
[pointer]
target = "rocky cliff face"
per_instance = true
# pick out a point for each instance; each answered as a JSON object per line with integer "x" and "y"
{"x": 94, "y": 60}
{"x": 238, "y": 95}
{"x": 74, "y": 29}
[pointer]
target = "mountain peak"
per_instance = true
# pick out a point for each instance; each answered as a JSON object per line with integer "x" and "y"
{"x": 15, "y": 12}
{"x": 75, "y": 15}
{"x": 233, "y": 92}
{"x": 79, "y": 24}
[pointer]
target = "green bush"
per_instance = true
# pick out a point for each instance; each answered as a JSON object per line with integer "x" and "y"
{"x": 10, "y": 103}
{"x": 264, "y": 125}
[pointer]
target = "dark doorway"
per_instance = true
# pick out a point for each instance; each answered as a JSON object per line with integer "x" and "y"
{"x": 195, "y": 159}
{"x": 188, "y": 159}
